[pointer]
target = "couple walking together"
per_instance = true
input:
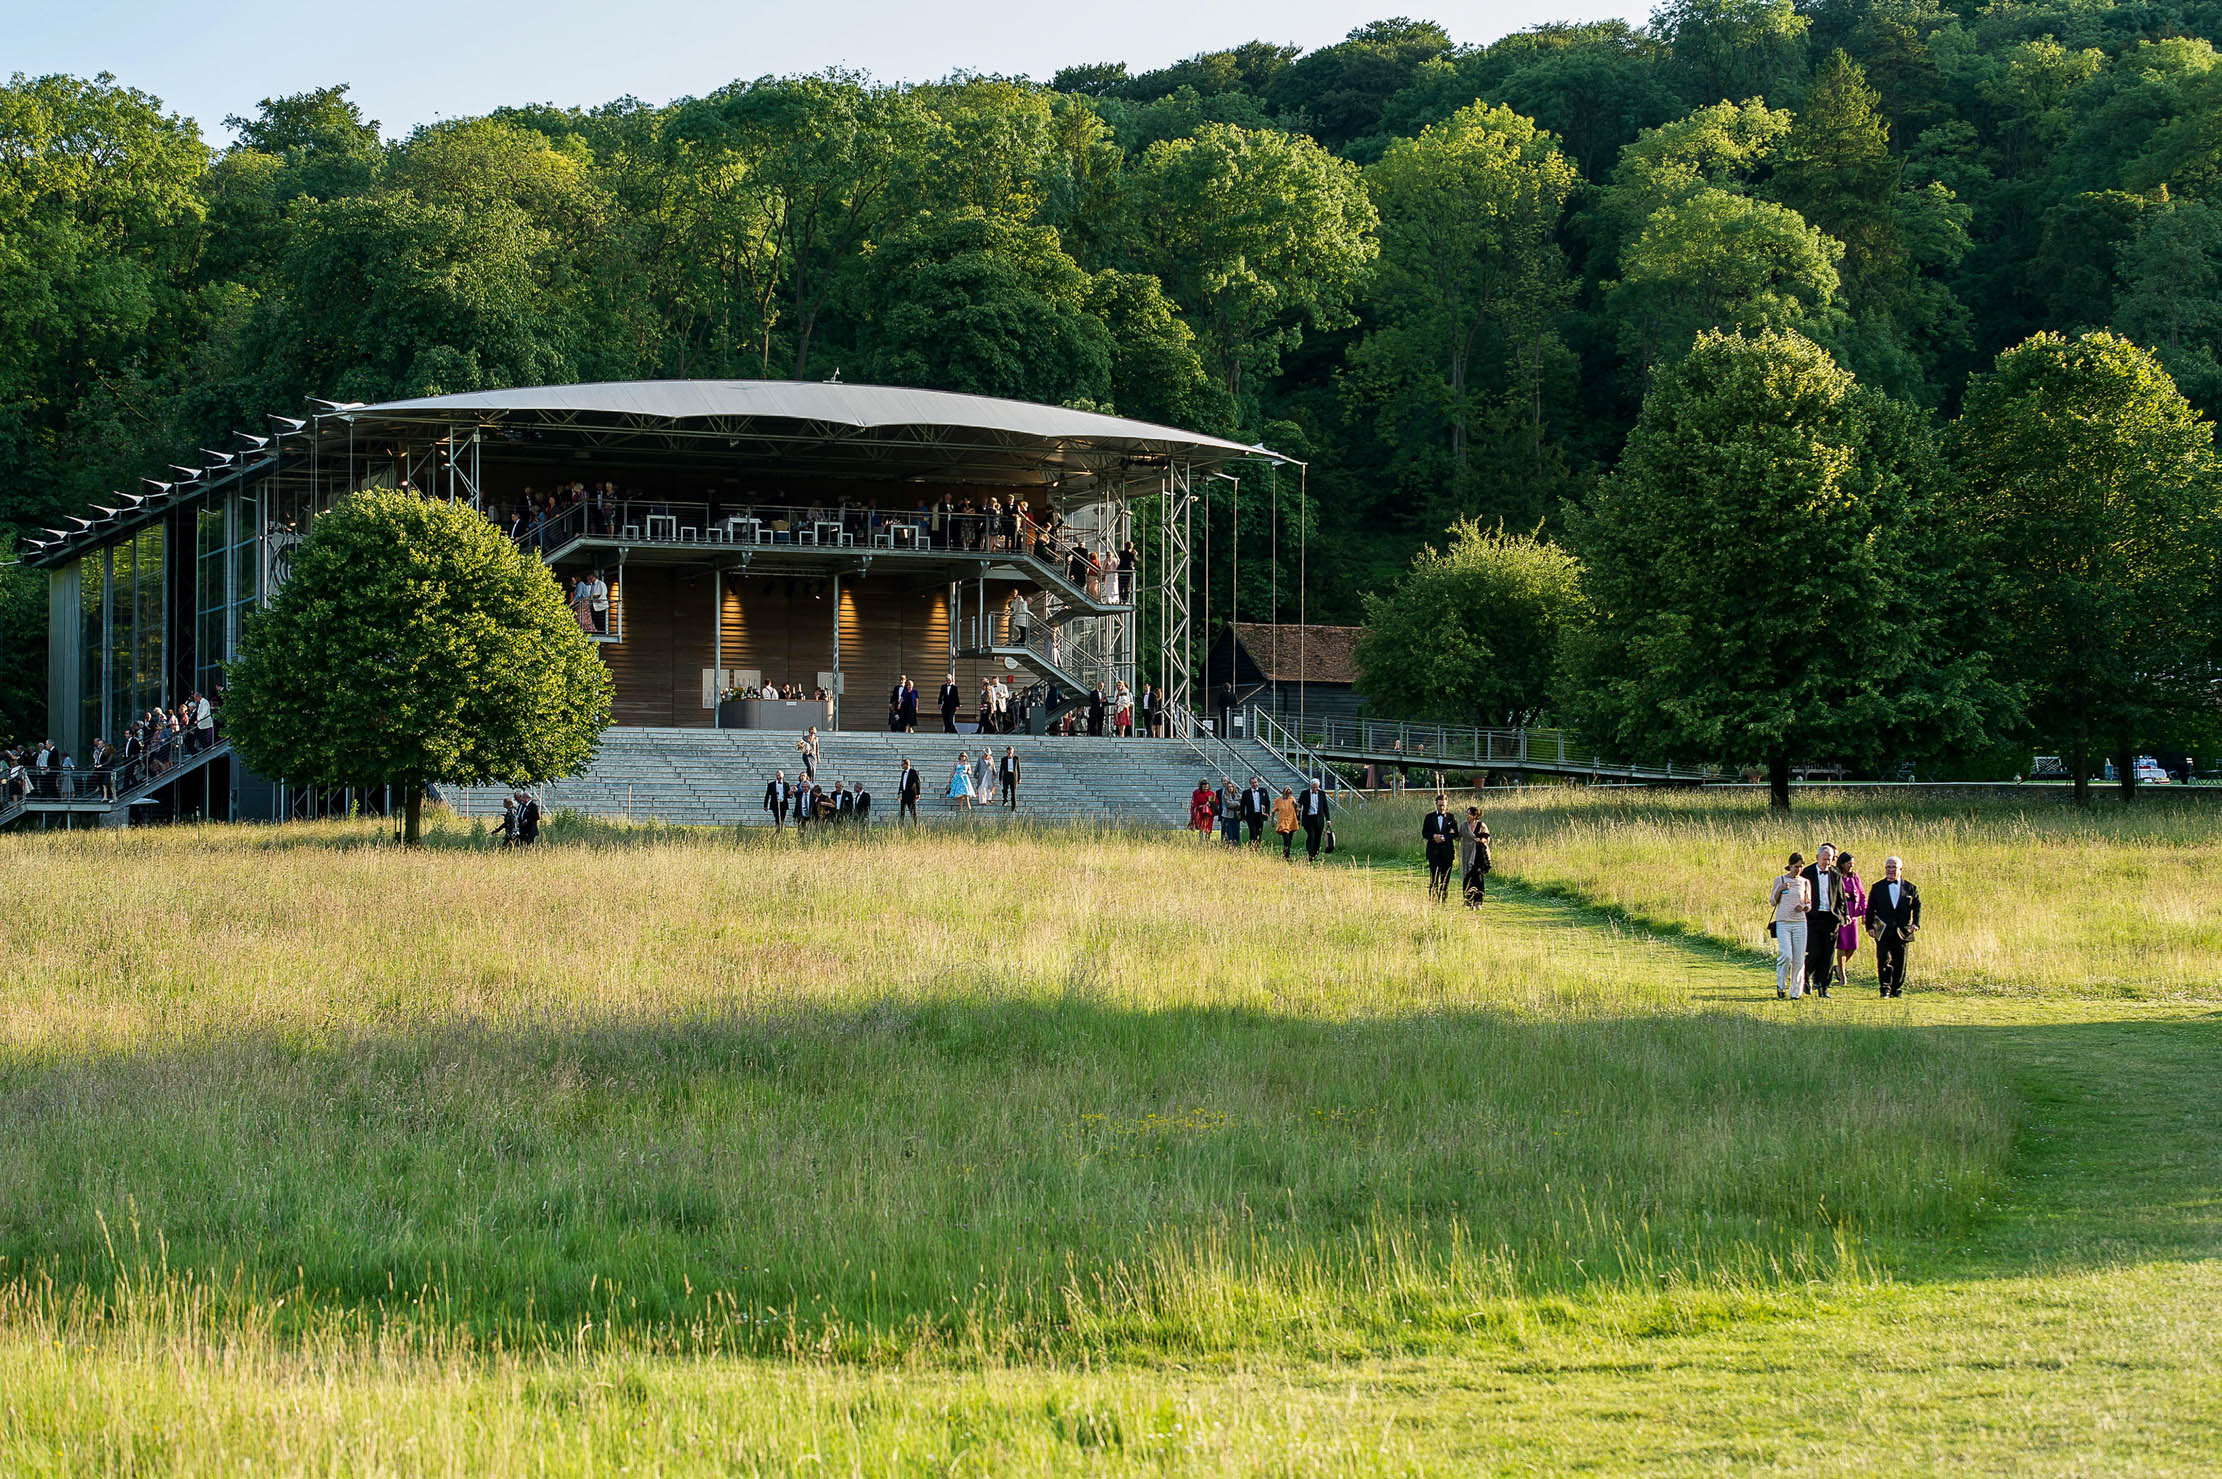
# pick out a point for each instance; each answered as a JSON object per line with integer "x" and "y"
{"x": 979, "y": 780}
{"x": 1463, "y": 842}
{"x": 1819, "y": 910}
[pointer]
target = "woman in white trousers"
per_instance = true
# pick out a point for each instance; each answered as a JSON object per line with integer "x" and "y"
{"x": 1791, "y": 898}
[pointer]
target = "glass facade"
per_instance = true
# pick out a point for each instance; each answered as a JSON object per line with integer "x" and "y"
{"x": 123, "y": 594}
{"x": 228, "y": 567}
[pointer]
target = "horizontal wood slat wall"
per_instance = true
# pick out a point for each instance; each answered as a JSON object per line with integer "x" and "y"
{"x": 667, "y": 643}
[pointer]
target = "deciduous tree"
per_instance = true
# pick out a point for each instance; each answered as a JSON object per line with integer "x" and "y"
{"x": 1766, "y": 572}
{"x": 2093, "y": 491}
{"x": 1470, "y": 634}
{"x": 413, "y": 643}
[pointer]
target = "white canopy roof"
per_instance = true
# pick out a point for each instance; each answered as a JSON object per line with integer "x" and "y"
{"x": 859, "y": 408}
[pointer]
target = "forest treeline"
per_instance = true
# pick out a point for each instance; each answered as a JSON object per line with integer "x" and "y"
{"x": 1445, "y": 275}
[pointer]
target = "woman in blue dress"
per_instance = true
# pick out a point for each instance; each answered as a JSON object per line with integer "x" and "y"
{"x": 960, "y": 782}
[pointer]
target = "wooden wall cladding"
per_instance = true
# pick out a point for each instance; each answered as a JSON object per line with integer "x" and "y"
{"x": 783, "y": 628}
{"x": 658, "y": 667}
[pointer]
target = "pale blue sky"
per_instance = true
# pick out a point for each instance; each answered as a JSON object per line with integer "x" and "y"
{"x": 412, "y": 60}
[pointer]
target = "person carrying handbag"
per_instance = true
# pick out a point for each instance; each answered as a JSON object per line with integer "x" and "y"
{"x": 1791, "y": 898}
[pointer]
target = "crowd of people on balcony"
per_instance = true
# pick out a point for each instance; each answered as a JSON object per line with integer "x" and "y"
{"x": 788, "y": 692}
{"x": 152, "y": 745}
{"x": 543, "y": 518}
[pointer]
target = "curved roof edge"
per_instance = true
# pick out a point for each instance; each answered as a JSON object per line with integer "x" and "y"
{"x": 826, "y": 403}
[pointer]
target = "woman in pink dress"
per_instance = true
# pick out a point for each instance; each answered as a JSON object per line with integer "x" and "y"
{"x": 1854, "y": 895}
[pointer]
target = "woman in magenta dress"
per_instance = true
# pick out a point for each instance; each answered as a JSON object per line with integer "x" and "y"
{"x": 1854, "y": 895}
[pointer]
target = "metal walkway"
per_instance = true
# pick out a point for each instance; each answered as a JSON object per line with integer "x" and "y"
{"x": 1450, "y": 747}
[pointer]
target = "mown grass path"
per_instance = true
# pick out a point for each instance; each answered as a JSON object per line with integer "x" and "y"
{"x": 2076, "y": 1329}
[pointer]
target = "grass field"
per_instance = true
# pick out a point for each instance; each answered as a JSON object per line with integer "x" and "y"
{"x": 1059, "y": 1151}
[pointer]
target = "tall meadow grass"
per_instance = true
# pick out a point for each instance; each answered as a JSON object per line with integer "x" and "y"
{"x": 937, "y": 1097}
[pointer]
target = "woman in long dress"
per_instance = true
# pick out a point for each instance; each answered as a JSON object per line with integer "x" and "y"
{"x": 960, "y": 781}
{"x": 582, "y": 604}
{"x": 983, "y": 776}
{"x": 1854, "y": 909}
{"x": 1473, "y": 851}
{"x": 1203, "y": 805}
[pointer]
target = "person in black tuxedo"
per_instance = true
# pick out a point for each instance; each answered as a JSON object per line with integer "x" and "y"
{"x": 1096, "y": 707}
{"x": 950, "y": 698}
{"x": 1006, "y": 775}
{"x": 1439, "y": 830}
{"x": 895, "y": 706}
{"x": 906, "y": 794}
{"x": 1827, "y": 887}
{"x": 863, "y": 803}
{"x": 1256, "y": 802}
{"x": 1893, "y": 918}
{"x": 775, "y": 799}
{"x": 1314, "y": 812}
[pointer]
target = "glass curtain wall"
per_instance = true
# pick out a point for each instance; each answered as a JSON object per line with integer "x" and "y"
{"x": 122, "y": 598}
{"x": 211, "y": 605}
{"x": 227, "y": 561}
{"x": 92, "y": 648}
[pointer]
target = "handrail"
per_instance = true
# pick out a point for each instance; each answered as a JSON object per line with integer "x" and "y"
{"x": 1037, "y": 638}
{"x": 805, "y": 526}
{"x": 1448, "y": 745}
{"x": 113, "y": 785}
{"x": 1187, "y": 728}
{"x": 1292, "y": 750}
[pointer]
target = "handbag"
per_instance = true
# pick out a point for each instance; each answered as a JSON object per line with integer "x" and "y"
{"x": 1330, "y": 839}
{"x": 1771, "y": 929}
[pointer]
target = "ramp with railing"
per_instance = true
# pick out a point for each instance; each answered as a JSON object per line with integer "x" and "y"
{"x": 106, "y": 796}
{"x": 1453, "y": 747}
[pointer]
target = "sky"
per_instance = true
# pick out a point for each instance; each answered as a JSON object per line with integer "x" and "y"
{"x": 415, "y": 61}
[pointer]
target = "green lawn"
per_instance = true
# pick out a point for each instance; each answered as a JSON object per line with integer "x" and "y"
{"x": 1066, "y": 1151}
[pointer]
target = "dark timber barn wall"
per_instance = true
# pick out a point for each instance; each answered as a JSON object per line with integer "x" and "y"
{"x": 782, "y": 627}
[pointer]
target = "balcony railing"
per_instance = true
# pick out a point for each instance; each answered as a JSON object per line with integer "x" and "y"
{"x": 1447, "y": 746}
{"x": 812, "y": 527}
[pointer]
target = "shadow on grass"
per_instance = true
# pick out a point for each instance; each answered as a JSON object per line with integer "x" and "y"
{"x": 1024, "y": 1175}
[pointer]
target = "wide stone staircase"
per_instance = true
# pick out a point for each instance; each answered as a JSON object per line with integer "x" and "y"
{"x": 716, "y": 777}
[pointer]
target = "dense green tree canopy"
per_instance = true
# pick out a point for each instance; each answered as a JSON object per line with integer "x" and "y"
{"x": 1471, "y": 634}
{"x": 1766, "y": 570}
{"x": 1470, "y": 283}
{"x": 2095, "y": 497}
{"x": 1468, "y": 328}
{"x": 413, "y": 643}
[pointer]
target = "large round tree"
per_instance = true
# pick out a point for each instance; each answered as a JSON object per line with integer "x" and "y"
{"x": 1471, "y": 635}
{"x": 414, "y": 643}
{"x": 2095, "y": 497}
{"x": 1766, "y": 574}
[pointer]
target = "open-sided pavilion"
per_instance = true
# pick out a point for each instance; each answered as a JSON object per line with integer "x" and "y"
{"x": 810, "y": 535}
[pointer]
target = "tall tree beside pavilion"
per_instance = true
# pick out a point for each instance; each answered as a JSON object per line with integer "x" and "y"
{"x": 1767, "y": 573}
